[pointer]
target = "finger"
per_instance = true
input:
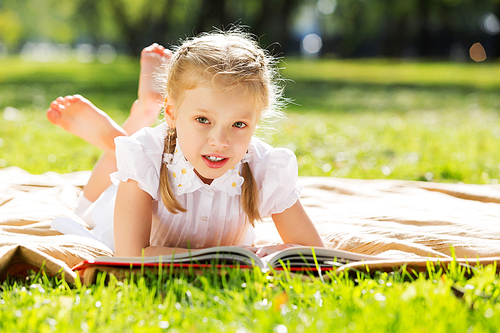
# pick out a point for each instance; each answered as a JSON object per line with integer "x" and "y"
{"x": 251, "y": 248}
{"x": 262, "y": 252}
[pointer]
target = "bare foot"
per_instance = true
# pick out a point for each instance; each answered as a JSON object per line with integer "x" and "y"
{"x": 146, "y": 108}
{"x": 79, "y": 116}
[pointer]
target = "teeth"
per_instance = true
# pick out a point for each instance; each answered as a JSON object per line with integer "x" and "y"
{"x": 214, "y": 159}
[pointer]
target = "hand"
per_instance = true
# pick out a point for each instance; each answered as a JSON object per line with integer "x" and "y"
{"x": 246, "y": 247}
{"x": 267, "y": 250}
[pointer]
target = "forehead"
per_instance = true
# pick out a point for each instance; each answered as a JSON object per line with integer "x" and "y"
{"x": 192, "y": 77}
{"x": 237, "y": 101}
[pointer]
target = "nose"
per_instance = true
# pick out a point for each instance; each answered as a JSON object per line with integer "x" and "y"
{"x": 218, "y": 137}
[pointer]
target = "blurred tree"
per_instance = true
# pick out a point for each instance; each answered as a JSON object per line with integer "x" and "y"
{"x": 273, "y": 21}
{"x": 10, "y": 28}
{"x": 270, "y": 20}
{"x": 88, "y": 14}
{"x": 213, "y": 13}
{"x": 42, "y": 20}
{"x": 411, "y": 28}
{"x": 142, "y": 22}
{"x": 391, "y": 28}
{"x": 496, "y": 11}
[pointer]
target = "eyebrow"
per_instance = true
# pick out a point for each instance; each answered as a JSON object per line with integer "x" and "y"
{"x": 244, "y": 116}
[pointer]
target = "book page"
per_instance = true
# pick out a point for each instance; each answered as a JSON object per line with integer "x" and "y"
{"x": 303, "y": 257}
{"x": 221, "y": 253}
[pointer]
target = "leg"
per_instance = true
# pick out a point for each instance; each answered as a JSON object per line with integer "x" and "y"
{"x": 144, "y": 112}
{"x": 146, "y": 108}
{"x": 79, "y": 116}
{"x": 99, "y": 180}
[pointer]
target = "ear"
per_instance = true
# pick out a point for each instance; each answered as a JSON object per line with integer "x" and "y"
{"x": 168, "y": 111}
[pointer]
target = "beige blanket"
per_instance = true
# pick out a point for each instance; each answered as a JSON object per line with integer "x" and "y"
{"x": 403, "y": 220}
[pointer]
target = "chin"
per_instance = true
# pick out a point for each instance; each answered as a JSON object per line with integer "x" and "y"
{"x": 214, "y": 175}
{"x": 209, "y": 173}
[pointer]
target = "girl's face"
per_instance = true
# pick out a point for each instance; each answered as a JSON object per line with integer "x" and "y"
{"x": 214, "y": 128}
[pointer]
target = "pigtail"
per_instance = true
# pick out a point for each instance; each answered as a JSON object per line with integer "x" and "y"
{"x": 250, "y": 195}
{"x": 168, "y": 197}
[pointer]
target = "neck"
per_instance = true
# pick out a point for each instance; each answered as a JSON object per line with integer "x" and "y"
{"x": 203, "y": 179}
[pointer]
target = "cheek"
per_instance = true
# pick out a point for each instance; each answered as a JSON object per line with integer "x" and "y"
{"x": 242, "y": 145}
{"x": 190, "y": 141}
{"x": 181, "y": 140}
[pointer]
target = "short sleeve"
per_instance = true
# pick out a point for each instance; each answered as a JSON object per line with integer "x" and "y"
{"x": 139, "y": 157}
{"x": 275, "y": 171}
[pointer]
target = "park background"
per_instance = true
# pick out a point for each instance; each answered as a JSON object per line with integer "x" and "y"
{"x": 378, "y": 89}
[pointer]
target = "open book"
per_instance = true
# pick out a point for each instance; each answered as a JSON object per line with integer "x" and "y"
{"x": 293, "y": 259}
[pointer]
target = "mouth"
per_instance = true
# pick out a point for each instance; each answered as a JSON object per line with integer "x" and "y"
{"x": 215, "y": 161}
{"x": 214, "y": 158}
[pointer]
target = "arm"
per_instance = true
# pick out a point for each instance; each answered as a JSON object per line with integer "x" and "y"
{"x": 295, "y": 228}
{"x": 132, "y": 223}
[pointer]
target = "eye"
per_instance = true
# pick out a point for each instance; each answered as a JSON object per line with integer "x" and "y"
{"x": 202, "y": 120}
{"x": 239, "y": 124}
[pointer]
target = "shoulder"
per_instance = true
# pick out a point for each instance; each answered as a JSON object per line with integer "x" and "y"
{"x": 275, "y": 171}
{"x": 139, "y": 157}
{"x": 266, "y": 161}
{"x": 263, "y": 153}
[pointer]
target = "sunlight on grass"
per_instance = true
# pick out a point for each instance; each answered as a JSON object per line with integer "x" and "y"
{"x": 442, "y": 146}
{"x": 394, "y": 72}
{"x": 251, "y": 301}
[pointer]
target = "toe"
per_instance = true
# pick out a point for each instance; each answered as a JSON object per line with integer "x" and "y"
{"x": 55, "y": 105}
{"x": 77, "y": 98}
{"x": 167, "y": 53}
{"x": 67, "y": 100}
{"x": 53, "y": 116}
{"x": 148, "y": 49}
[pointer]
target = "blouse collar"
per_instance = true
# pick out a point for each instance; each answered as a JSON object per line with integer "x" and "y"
{"x": 185, "y": 179}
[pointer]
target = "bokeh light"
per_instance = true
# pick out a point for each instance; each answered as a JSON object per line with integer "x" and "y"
{"x": 11, "y": 114}
{"x": 85, "y": 53}
{"x": 106, "y": 54}
{"x": 326, "y": 7}
{"x": 49, "y": 52}
{"x": 477, "y": 52}
{"x": 490, "y": 24}
{"x": 312, "y": 44}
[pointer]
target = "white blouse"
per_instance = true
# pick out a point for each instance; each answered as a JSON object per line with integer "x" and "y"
{"x": 214, "y": 215}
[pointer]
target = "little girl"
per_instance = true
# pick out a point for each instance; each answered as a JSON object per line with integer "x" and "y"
{"x": 201, "y": 179}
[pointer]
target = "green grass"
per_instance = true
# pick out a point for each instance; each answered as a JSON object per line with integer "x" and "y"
{"x": 251, "y": 301}
{"x": 30, "y": 141}
{"x": 379, "y": 119}
{"x": 360, "y": 119}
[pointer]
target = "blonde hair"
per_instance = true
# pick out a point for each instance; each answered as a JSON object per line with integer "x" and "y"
{"x": 227, "y": 60}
